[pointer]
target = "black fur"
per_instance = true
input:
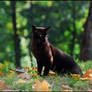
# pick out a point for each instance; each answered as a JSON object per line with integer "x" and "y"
{"x": 49, "y": 56}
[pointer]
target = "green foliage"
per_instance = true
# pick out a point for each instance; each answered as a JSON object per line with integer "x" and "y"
{"x": 58, "y": 15}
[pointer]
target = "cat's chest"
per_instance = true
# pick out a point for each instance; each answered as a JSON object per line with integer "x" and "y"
{"x": 41, "y": 51}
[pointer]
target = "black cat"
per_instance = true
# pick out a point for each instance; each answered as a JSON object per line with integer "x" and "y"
{"x": 49, "y": 56}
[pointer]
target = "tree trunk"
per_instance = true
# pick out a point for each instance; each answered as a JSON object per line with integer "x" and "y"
{"x": 86, "y": 45}
{"x": 16, "y": 36}
{"x": 74, "y": 28}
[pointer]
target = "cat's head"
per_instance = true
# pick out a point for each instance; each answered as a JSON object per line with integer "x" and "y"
{"x": 40, "y": 33}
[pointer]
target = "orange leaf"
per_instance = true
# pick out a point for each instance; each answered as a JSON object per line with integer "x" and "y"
{"x": 87, "y": 75}
{"x": 36, "y": 86}
{"x": 35, "y": 69}
{"x": 45, "y": 85}
{"x": 2, "y": 74}
{"x": 2, "y": 85}
{"x": 41, "y": 86}
{"x": 26, "y": 69}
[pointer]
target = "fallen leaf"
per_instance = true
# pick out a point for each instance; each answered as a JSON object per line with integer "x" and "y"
{"x": 2, "y": 74}
{"x": 51, "y": 73}
{"x": 26, "y": 69}
{"x": 24, "y": 76}
{"x": 35, "y": 69}
{"x": 2, "y": 85}
{"x": 87, "y": 75}
{"x": 20, "y": 70}
{"x": 11, "y": 74}
{"x": 64, "y": 85}
{"x": 34, "y": 75}
{"x": 45, "y": 85}
{"x": 83, "y": 79}
{"x": 21, "y": 82}
{"x": 36, "y": 86}
{"x": 1, "y": 66}
{"x": 41, "y": 86}
{"x": 67, "y": 90}
{"x": 11, "y": 70}
{"x": 75, "y": 76}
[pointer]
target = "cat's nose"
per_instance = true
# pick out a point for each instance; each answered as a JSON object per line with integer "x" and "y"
{"x": 43, "y": 40}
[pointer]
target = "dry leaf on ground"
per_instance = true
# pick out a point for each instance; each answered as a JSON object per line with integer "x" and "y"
{"x": 34, "y": 75}
{"x": 67, "y": 90}
{"x": 26, "y": 69}
{"x": 24, "y": 76}
{"x": 11, "y": 74}
{"x": 2, "y": 74}
{"x": 35, "y": 69}
{"x": 75, "y": 76}
{"x": 51, "y": 73}
{"x": 2, "y": 85}
{"x": 87, "y": 75}
{"x": 20, "y": 70}
{"x": 41, "y": 86}
{"x": 65, "y": 85}
{"x": 1, "y": 66}
{"x": 21, "y": 82}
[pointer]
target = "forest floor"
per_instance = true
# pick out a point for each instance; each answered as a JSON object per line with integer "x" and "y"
{"x": 18, "y": 79}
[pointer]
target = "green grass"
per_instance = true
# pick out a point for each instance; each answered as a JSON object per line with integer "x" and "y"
{"x": 85, "y": 65}
{"x": 55, "y": 81}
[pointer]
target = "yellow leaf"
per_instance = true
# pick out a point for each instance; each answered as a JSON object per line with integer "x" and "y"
{"x": 45, "y": 85}
{"x": 75, "y": 76}
{"x": 26, "y": 69}
{"x": 34, "y": 75}
{"x": 11, "y": 74}
{"x": 11, "y": 70}
{"x": 1, "y": 66}
{"x": 35, "y": 69}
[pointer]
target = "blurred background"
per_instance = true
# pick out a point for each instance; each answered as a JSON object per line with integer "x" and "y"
{"x": 71, "y": 29}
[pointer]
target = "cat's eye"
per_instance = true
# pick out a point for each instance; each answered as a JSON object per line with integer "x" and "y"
{"x": 40, "y": 35}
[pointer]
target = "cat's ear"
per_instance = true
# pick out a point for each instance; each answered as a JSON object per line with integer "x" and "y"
{"x": 33, "y": 27}
{"x": 47, "y": 28}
